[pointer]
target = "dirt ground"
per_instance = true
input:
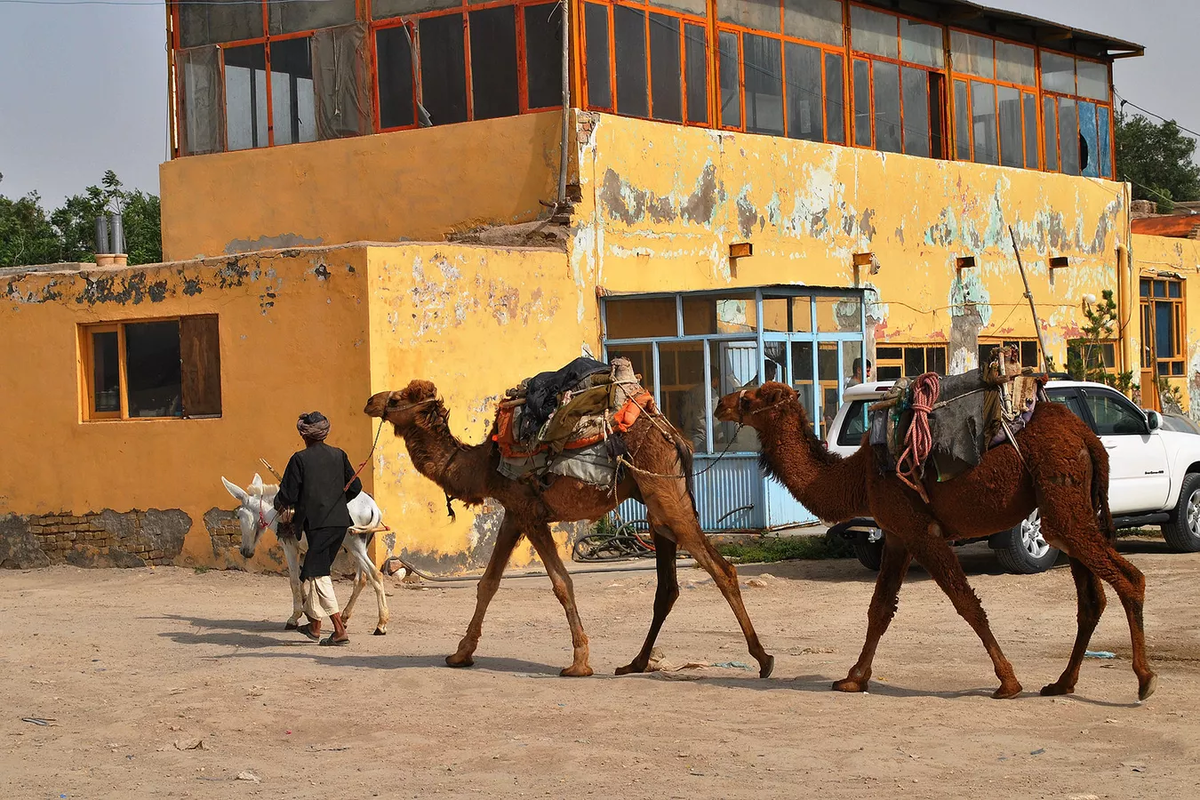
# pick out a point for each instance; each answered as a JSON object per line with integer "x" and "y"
{"x": 132, "y": 665}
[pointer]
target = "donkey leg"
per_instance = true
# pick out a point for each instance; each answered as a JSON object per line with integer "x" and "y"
{"x": 896, "y": 560}
{"x": 665, "y": 596}
{"x": 291, "y": 553}
{"x": 932, "y": 552}
{"x": 564, "y": 590}
{"x": 360, "y": 580}
{"x": 506, "y": 540}
{"x": 1090, "y": 594}
{"x": 372, "y": 576}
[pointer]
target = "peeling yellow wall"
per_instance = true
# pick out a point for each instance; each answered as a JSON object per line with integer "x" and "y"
{"x": 293, "y": 338}
{"x": 662, "y": 203}
{"x": 1152, "y": 254}
{"x": 408, "y": 185}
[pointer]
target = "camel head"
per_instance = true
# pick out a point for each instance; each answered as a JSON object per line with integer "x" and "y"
{"x": 256, "y": 511}
{"x": 402, "y": 408}
{"x": 759, "y": 406}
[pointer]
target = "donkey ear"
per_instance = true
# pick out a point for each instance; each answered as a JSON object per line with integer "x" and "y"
{"x": 238, "y": 493}
{"x": 257, "y": 483}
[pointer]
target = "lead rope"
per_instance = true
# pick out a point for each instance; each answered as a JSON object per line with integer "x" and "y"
{"x": 366, "y": 461}
{"x": 918, "y": 441}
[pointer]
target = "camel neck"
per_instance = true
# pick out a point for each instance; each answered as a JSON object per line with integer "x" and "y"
{"x": 831, "y": 487}
{"x": 434, "y": 449}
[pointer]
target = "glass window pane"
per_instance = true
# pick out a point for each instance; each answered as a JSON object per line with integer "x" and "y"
{"x": 543, "y": 56}
{"x": 1031, "y": 131}
{"x": 802, "y": 376}
{"x": 629, "y": 29}
{"x": 874, "y": 32}
{"x": 599, "y": 78}
{"x": 1164, "y": 331}
{"x": 785, "y": 314}
{"x": 972, "y": 55}
{"x": 344, "y": 106}
{"x": 764, "y": 84}
{"x": 805, "y": 120}
{"x": 1160, "y": 288}
{"x": 1058, "y": 73}
{"x": 914, "y": 361}
{"x": 733, "y": 365}
{"x": 916, "y": 112}
{"x": 245, "y": 97}
{"x": 384, "y": 9}
{"x": 296, "y": 17}
{"x": 921, "y": 43}
{"x": 1029, "y": 354}
{"x": 443, "y": 69}
{"x": 1113, "y": 415}
{"x": 814, "y": 20}
{"x": 494, "y": 63}
{"x": 152, "y": 371}
{"x": 293, "y": 101}
{"x": 640, "y": 318}
{"x": 736, "y": 314}
{"x": 200, "y": 124}
{"x": 1015, "y": 64}
{"x": 219, "y": 21}
{"x": 1089, "y": 142}
{"x": 829, "y": 382}
{"x": 1050, "y": 124}
{"x": 395, "y": 78}
{"x": 1093, "y": 79}
{"x": 852, "y": 363}
{"x": 856, "y": 424}
{"x": 839, "y": 314}
{"x": 887, "y": 106}
{"x": 935, "y": 360}
{"x": 696, "y": 44}
{"x": 835, "y": 103}
{"x": 695, "y": 7}
{"x": 106, "y": 372}
{"x": 862, "y": 103}
{"x": 641, "y": 359}
{"x": 699, "y": 316}
{"x": 731, "y": 96}
{"x": 1174, "y": 289}
{"x": 1104, "y": 124}
{"x": 983, "y": 115}
{"x": 1068, "y": 136}
{"x": 1012, "y": 148}
{"x": 665, "y": 69}
{"x": 682, "y": 388}
{"x": 962, "y": 121}
{"x": 759, "y": 15}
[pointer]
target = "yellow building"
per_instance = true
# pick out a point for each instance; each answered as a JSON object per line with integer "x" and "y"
{"x": 737, "y": 190}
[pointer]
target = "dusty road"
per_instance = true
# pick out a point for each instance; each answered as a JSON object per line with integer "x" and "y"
{"x": 131, "y": 665}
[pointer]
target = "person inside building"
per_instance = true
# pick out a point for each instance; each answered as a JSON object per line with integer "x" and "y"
{"x": 316, "y": 486}
{"x": 856, "y": 373}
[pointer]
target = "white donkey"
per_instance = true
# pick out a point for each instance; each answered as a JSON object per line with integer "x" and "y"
{"x": 257, "y": 513}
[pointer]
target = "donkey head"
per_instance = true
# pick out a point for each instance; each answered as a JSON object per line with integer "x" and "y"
{"x": 256, "y": 512}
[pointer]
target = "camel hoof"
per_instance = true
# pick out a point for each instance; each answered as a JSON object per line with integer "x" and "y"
{"x": 379, "y": 632}
{"x": 291, "y": 626}
{"x": 576, "y": 672}
{"x": 458, "y": 662}
{"x": 1007, "y": 692}
{"x": 631, "y": 668}
{"x": 1147, "y": 687}
{"x": 850, "y": 685}
{"x": 1056, "y": 690}
{"x": 766, "y": 667}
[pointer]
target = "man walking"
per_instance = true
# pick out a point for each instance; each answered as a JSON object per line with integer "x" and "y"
{"x": 316, "y": 486}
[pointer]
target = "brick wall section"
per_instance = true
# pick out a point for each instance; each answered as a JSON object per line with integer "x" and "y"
{"x": 70, "y": 539}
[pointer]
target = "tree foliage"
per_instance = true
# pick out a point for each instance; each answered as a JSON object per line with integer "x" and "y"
{"x": 29, "y": 235}
{"x": 1158, "y": 160}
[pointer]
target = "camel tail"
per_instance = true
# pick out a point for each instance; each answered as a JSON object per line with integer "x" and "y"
{"x": 686, "y": 459}
{"x": 1099, "y": 458}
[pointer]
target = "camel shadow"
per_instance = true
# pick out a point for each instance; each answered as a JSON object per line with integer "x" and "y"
{"x": 514, "y": 666}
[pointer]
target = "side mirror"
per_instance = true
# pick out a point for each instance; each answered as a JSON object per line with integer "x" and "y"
{"x": 1153, "y": 420}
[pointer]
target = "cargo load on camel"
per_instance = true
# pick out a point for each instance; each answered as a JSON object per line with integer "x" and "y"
{"x": 566, "y": 422}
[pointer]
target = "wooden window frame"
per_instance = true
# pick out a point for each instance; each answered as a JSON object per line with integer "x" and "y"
{"x": 1022, "y": 88}
{"x": 892, "y": 363}
{"x": 1017, "y": 341}
{"x": 1080, "y": 344}
{"x": 1149, "y": 317}
{"x": 87, "y": 370}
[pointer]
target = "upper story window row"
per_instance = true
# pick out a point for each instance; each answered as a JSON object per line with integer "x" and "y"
{"x": 837, "y": 71}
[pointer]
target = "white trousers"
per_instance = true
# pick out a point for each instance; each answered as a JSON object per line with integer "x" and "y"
{"x": 319, "y": 599}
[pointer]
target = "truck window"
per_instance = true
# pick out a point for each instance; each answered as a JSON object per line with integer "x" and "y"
{"x": 854, "y": 425}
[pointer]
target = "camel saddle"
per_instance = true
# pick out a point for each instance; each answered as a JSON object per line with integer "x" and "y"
{"x": 968, "y": 414}
{"x": 577, "y": 438}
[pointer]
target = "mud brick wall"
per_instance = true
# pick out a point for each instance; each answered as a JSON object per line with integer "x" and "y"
{"x": 95, "y": 539}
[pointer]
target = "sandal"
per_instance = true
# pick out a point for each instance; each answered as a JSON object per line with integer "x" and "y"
{"x": 308, "y": 631}
{"x": 332, "y": 642}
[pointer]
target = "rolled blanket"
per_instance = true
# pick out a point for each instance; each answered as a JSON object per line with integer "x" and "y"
{"x": 313, "y": 426}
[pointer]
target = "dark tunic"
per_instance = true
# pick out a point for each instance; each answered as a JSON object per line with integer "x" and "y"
{"x": 314, "y": 483}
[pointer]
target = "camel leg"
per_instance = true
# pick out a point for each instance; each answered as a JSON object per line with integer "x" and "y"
{"x": 291, "y": 553}
{"x": 665, "y": 596}
{"x": 1090, "y": 593}
{"x": 932, "y": 551}
{"x": 356, "y": 546}
{"x": 506, "y": 540}
{"x": 539, "y": 534}
{"x": 896, "y": 560}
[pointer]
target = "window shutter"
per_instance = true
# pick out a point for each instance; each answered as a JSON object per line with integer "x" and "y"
{"x": 200, "y": 356}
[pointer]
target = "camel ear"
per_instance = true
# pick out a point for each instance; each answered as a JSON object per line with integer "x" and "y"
{"x": 238, "y": 493}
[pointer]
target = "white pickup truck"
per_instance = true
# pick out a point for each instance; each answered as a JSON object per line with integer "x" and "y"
{"x": 1154, "y": 466}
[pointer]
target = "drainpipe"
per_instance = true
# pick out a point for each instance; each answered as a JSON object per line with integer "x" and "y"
{"x": 561, "y": 203}
{"x": 1124, "y": 308}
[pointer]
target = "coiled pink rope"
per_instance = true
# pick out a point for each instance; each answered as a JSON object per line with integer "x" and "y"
{"x": 918, "y": 442}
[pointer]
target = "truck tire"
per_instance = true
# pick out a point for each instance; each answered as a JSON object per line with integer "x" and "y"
{"x": 1183, "y": 531}
{"x": 870, "y": 554}
{"x": 1022, "y": 550}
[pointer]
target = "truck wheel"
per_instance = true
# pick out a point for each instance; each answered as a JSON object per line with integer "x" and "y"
{"x": 1183, "y": 531}
{"x": 1022, "y": 550}
{"x": 869, "y": 553}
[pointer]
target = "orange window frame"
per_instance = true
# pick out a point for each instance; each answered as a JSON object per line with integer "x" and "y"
{"x": 1078, "y": 98}
{"x": 87, "y": 352}
{"x": 1149, "y": 303}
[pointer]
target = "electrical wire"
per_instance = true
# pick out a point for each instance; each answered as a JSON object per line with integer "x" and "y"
{"x": 1125, "y": 102}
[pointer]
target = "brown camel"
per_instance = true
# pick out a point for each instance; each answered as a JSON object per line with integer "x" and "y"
{"x": 661, "y": 459}
{"x": 1064, "y": 473}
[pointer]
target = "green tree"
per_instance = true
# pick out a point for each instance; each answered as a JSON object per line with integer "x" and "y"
{"x": 1157, "y": 160}
{"x": 1085, "y": 357}
{"x": 76, "y": 221}
{"x": 26, "y": 235}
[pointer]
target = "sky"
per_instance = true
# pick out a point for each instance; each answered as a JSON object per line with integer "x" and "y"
{"x": 83, "y": 87}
